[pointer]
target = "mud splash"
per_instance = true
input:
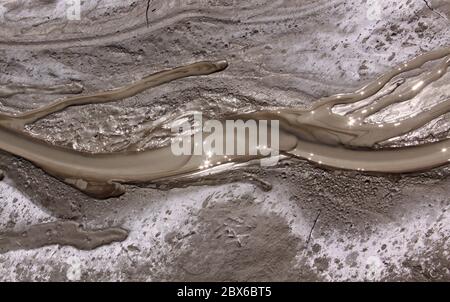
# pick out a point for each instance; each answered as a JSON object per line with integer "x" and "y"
{"x": 336, "y": 132}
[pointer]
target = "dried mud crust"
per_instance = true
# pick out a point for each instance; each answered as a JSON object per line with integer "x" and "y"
{"x": 236, "y": 241}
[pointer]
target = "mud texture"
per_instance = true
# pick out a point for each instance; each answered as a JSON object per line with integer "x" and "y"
{"x": 61, "y": 233}
{"x": 280, "y": 53}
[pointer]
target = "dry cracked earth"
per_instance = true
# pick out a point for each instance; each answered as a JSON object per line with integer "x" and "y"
{"x": 313, "y": 225}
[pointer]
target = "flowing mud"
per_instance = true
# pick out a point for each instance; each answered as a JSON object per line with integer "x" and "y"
{"x": 332, "y": 72}
{"x": 317, "y": 134}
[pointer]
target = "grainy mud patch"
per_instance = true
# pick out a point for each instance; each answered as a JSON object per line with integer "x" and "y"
{"x": 238, "y": 241}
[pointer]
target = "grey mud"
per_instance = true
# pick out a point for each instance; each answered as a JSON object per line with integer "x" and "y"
{"x": 319, "y": 134}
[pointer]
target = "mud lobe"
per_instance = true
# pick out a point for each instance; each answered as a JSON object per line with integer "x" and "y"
{"x": 238, "y": 241}
{"x": 61, "y": 233}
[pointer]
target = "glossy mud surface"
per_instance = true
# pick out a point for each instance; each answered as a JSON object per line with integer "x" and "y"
{"x": 369, "y": 227}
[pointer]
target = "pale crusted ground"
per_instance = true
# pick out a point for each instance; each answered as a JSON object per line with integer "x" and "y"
{"x": 280, "y": 53}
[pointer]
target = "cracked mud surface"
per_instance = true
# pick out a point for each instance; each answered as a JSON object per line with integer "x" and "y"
{"x": 281, "y": 53}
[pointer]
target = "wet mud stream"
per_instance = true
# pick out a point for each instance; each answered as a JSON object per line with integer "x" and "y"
{"x": 342, "y": 141}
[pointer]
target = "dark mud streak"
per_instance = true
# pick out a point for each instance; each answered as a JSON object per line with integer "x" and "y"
{"x": 10, "y": 90}
{"x": 64, "y": 233}
{"x": 434, "y": 11}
